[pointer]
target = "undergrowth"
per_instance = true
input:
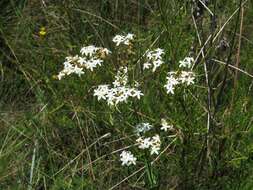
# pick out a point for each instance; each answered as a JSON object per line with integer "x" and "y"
{"x": 55, "y": 134}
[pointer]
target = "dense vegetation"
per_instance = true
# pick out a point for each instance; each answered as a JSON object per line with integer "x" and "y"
{"x": 56, "y": 135}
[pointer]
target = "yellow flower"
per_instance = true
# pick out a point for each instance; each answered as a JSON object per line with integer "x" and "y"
{"x": 42, "y": 31}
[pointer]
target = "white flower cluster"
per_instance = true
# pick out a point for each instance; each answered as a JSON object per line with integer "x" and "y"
{"x": 142, "y": 128}
{"x": 90, "y": 59}
{"x": 165, "y": 126}
{"x": 127, "y": 158}
{"x": 176, "y": 78}
{"x": 119, "y": 39}
{"x": 152, "y": 143}
{"x": 180, "y": 77}
{"x": 120, "y": 91}
{"x": 154, "y": 59}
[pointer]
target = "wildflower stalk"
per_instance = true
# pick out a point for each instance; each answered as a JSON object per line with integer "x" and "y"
{"x": 151, "y": 177}
{"x": 207, "y": 77}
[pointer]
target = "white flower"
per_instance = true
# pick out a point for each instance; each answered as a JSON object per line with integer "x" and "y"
{"x": 136, "y": 93}
{"x": 68, "y": 68}
{"x": 121, "y": 78}
{"x": 60, "y": 75}
{"x": 187, "y": 62}
{"x": 154, "y": 150}
{"x": 187, "y": 77}
{"x": 127, "y": 158}
{"x": 105, "y": 51}
{"x": 142, "y": 128}
{"x": 119, "y": 39}
{"x": 81, "y": 61}
{"x": 165, "y": 125}
{"x": 136, "y": 84}
{"x": 120, "y": 92}
{"x": 72, "y": 59}
{"x": 78, "y": 71}
{"x": 159, "y": 51}
{"x": 157, "y": 63}
{"x": 156, "y": 140}
{"x": 153, "y": 144}
{"x": 146, "y": 65}
{"x": 144, "y": 143}
{"x": 154, "y": 59}
{"x": 93, "y": 63}
{"x": 88, "y": 60}
{"x": 156, "y": 143}
{"x": 130, "y": 36}
{"x": 101, "y": 91}
{"x": 176, "y": 78}
{"x": 172, "y": 81}
{"x": 169, "y": 89}
{"x": 89, "y": 50}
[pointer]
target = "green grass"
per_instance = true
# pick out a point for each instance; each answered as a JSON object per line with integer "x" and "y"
{"x": 52, "y": 133}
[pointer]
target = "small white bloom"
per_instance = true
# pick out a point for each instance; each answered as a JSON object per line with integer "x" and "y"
{"x": 119, "y": 39}
{"x": 130, "y": 36}
{"x": 187, "y": 62}
{"x": 187, "y": 77}
{"x": 82, "y": 61}
{"x": 154, "y": 150}
{"x": 101, "y": 92}
{"x": 172, "y": 81}
{"x": 159, "y": 51}
{"x": 165, "y": 125}
{"x": 153, "y": 144}
{"x": 136, "y": 93}
{"x": 72, "y": 59}
{"x": 169, "y": 89}
{"x": 154, "y": 59}
{"x": 78, "y": 71}
{"x": 144, "y": 143}
{"x": 157, "y": 63}
{"x": 68, "y": 68}
{"x": 127, "y": 158}
{"x": 156, "y": 140}
{"x": 146, "y": 65}
{"x": 89, "y": 50}
{"x": 156, "y": 143}
{"x": 120, "y": 80}
{"x": 106, "y": 51}
{"x": 60, "y": 75}
{"x": 93, "y": 63}
{"x": 142, "y": 128}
